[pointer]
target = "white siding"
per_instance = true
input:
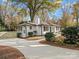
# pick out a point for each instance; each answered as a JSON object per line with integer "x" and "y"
{"x": 44, "y": 32}
{"x": 37, "y": 20}
{"x": 23, "y": 31}
{"x": 53, "y": 28}
{"x": 38, "y": 30}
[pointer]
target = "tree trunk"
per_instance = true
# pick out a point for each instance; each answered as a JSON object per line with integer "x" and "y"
{"x": 32, "y": 15}
{"x": 77, "y": 21}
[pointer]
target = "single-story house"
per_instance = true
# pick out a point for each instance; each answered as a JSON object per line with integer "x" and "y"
{"x": 38, "y": 29}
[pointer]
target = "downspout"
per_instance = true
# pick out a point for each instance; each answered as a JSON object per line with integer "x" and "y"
{"x": 41, "y": 30}
{"x": 50, "y": 28}
{"x": 26, "y": 31}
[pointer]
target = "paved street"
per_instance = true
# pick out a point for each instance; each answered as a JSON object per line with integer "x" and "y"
{"x": 35, "y": 50}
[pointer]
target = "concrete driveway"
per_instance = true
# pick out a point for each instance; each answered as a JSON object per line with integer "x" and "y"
{"x": 35, "y": 50}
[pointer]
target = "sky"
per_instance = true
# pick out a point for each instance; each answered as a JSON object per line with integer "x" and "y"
{"x": 0, "y": 1}
{"x": 58, "y": 13}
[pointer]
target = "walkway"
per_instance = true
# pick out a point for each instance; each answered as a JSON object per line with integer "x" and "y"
{"x": 35, "y": 50}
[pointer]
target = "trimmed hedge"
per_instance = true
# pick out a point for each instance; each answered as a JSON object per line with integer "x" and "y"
{"x": 30, "y": 34}
{"x": 49, "y": 36}
{"x": 18, "y": 35}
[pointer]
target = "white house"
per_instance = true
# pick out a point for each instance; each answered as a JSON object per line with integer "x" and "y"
{"x": 37, "y": 29}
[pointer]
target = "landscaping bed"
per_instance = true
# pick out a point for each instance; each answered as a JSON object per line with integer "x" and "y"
{"x": 69, "y": 38}
{"x": 34, "y": 38}
{"x": 59, "y": 43}
{"x": 7, "y": 52}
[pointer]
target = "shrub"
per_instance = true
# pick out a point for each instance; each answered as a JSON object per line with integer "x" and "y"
{"x": 49, "y": 36}
{"x": 59, "y": 39}
{"x": 71, "y": 35}
{"x": 34, "y": 32}
{"x": 18, "y": 35}
{"x": 30, "y": 34}
{"x": 70, "y": 41}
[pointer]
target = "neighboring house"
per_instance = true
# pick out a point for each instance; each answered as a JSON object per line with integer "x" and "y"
{"x": 37, "y": 29}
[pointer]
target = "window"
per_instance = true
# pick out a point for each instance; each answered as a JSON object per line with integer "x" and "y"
{"x": 45, "y": 28}
{"x": 57, "y": 28}
{"x": 30, "y": 27}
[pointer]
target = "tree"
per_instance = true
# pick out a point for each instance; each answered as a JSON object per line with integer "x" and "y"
{"x": 9, "y": 10}
{"x": 76, "y": 12}
{"x": 36, "y": 5}
{"x": 2, "y": 24}
{"x": 1, "y": 16}
{"x": 1, "y": 21}
{"x": 64, "y": 20}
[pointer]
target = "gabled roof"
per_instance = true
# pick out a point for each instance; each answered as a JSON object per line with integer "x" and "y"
{"x": 25, "y": 23}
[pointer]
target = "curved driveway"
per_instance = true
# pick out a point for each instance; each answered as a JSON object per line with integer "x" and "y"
{"x": 35, "y": 50}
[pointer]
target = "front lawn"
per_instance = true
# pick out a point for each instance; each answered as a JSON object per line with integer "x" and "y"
{"x": 11, "y": 34}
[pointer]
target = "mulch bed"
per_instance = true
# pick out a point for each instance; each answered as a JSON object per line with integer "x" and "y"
{"x": 34, "y": 38}
{"x": 68, "y": 46}
{"x": 10, "y": 53}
